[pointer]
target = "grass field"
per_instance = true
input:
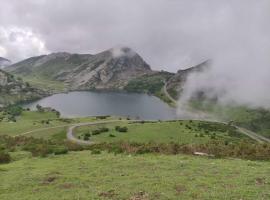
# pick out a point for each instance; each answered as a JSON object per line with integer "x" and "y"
{"x": 97, "y": 174}
{"x": 45, "y": 84}
{"x": 182, "y": 132}
{"x": 82, "y": 175}
{"x": 31, "y": 120}
{"x": 254, "y": 119}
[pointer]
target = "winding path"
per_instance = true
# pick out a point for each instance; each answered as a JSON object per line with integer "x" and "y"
{"x": 71, "y": 137}
{"x": 167, "y": 94}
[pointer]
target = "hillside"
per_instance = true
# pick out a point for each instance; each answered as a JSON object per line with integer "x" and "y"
{"x": 4, "y": 62}
{"x": 14, "y": 90}
{"x": 175, "y": 83}
{"x": 111, "y": 69}
{"x": 40, "y": 163}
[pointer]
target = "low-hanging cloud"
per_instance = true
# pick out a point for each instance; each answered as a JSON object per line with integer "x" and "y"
{"x": 240, "y": 54}
{"x": 169, "y": 34}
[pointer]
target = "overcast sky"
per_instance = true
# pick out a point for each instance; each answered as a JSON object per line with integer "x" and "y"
{"x": 168, "y": 34}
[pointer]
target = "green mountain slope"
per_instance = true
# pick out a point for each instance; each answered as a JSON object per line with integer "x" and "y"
{"x": 14, "y": 90}
{"x": 105, "y": 70}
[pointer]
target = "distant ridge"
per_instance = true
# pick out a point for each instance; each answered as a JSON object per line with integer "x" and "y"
{"x": 4, "y": 62}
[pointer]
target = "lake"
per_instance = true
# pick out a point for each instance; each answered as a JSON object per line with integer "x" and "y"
{"x": 81, "y": 104}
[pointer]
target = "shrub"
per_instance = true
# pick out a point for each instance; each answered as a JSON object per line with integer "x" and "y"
{"x": 103, "y": 117}
{"x": 96, "y": 132}
{"x": 103, "y": 129}
{"x": 111, "y": 135}
{"x": 85, "y": 137}
{"x": 87, "y": 134}
{"x": 121, "y": 129}
{"x": 60, "y": 150}
{"x": 95, "y": 151}
{"x": 100, "y": 130}
{"x": 4, "y": 158}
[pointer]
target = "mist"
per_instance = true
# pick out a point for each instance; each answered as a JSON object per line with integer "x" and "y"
{"x": 239, "y": 50}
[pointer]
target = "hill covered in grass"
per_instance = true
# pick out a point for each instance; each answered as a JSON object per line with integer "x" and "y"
{"x": 13, "y": 90}
{"x": 84, "y": 175}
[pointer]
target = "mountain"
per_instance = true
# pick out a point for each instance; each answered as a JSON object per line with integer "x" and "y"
{"x": 47, "y": 66}
{"x": 175, "y": 83}
{"x": 4, "y": 62}
{"x": 14, "y": 90}
{"x": 111, "y": 69}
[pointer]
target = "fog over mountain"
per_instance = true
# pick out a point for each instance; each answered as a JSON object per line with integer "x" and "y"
{"x": 168, "y": 34}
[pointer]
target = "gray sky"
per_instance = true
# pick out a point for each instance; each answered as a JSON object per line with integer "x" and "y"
{"x": 168, "y": 34}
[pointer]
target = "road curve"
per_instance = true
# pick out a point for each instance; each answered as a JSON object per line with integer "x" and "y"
{"x": 251, "y": 134}
{"x": 167, "y": 94}
{"x": 71, "y": 137}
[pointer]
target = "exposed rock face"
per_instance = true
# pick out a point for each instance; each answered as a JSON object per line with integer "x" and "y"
{"x": 4, "y": 62}
{"x": 14, "y": 90}
{"x": 176, "y": 83}
{"x": 111, "y": 69}
{"x": 108, "y": 71}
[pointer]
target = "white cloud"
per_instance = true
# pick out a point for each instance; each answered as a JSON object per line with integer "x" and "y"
{"x": 19, "y": 43}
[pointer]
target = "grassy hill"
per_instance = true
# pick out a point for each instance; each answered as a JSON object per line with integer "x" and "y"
{"x": 151, "y": 84}
{"x": 14, "y": 90}
{"x": 148, "y": 161}
{"x": 181, "y": 132}
{"x": 84, "y": 175}
{"x": 255, "y": 119}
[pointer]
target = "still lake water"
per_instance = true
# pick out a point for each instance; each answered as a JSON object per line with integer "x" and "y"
{"x": 81, "y": 104}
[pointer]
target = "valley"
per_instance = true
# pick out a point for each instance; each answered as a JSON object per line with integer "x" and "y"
{"x": 109, "y": 121}
{"x": 43, "y": 159}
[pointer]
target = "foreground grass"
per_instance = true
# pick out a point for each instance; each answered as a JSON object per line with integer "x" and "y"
{"x": 181, "y": 132}
{"x": 82, "y": 175}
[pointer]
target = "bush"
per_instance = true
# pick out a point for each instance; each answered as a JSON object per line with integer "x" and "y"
{"x": 87, "y": 134}
{"x": 4, "y": 158}
{"x": 60, "y": 150}
{"x": 95, "y": 151}
{"x": 103, "y": 117}
{"x": 85, "y": 137}
{"x": 111, "y": 135}
{"x": 121, "y": 129}
{"x": 100, "y": 130}
{"x": 96, "y": 132}
{"x": 103, "y": 129}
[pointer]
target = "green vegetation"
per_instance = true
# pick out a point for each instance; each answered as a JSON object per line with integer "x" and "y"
{"x": 257, "y": 120}
{"x": 181, "y": 132}
{"x": 44, "y": 83}
{"x": 151, "y": 84}
{"x": 28, "y": 121}
{"x": 133, "y": 160}
{"x": 148, "y": 83}
{"x": 82, "y": 175}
